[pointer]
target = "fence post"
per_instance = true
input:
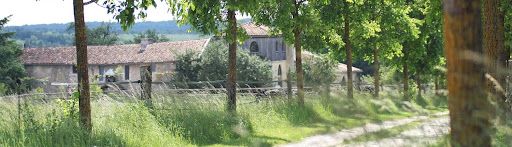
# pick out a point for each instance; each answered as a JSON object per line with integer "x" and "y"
{"x": 289, "y": 85}
{"x": 18, "y": 84}
{"x": 145, "y": 84}
{"x": 328, "y": 90}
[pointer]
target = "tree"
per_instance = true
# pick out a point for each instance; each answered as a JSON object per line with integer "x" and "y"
{"x": 84, "y": 96}
{"x": 468, "y": 104}
{"x": 378, "y": 35}
{"x": 149, "y": 34}
{"x": 101, "y": 35}
{"x": 212, "y": 66}
{"x": 292, "y": 19}
{"x": 249, "y": 68}
{"x": 494, "y": 47}
{"x": 11, "y": 68}
{"x": 206, "y": 17}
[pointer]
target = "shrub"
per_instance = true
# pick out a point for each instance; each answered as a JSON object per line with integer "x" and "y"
{"x": 213, "y": 65}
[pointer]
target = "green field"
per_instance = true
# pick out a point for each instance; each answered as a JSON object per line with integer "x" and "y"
{"x": 200, "y": 120}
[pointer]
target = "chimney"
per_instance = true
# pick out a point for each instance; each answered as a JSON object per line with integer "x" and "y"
{"x": 144, "y": 43}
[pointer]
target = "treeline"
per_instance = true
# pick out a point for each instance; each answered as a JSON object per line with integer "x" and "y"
{"x": 47, "y": 35}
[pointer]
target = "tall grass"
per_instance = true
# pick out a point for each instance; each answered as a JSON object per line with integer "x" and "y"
{"x": 198, "y": 120}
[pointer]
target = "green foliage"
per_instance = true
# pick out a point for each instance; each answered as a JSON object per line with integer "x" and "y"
{"x": 11, "y": 68}
{"x": 102, "y": 35}
{"x": 213, "y": 66}
{"x": 149, "y": 34}
{"x": 70, "y": 106}
{"x": 318, "y": 70}
{"x": 187, "y": 68}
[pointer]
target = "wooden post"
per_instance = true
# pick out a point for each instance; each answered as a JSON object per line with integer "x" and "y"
{"x": 145, "y": 84}
{"x": 289, "y": 85}
{"x": 328, "y": 90}
{"x": 18, "y": 84}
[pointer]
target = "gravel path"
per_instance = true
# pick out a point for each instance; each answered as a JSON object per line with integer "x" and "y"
{"x": 425, "y": 133}
{"x": 337, "y": 138}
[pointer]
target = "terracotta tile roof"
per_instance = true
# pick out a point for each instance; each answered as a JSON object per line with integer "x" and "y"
{"x": 341, "y": 67}
{"x": 116, "y": 54}
{"x": 255, "y": 30}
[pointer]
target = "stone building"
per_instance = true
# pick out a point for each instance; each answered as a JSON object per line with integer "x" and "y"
{"x": 281, "y": 55}
{"x": 106, "y": 63}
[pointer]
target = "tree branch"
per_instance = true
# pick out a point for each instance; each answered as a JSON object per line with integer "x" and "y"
{"x": 89, "y": 2}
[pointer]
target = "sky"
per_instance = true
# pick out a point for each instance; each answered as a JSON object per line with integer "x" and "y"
{"x": 27, "y": 12}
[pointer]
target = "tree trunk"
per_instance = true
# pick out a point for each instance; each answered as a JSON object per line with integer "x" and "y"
{"x": 84, "y": 97}
{"x": 348, "y": 46}
{"x": 494, "y": 46}
{"x": 376, "y": 67}
{"x": 298, "y": 66}
{"x": 406, "y": 76}
{"x": 231, "y": 87}
{"x": 145, "y": 85}
{"x": 436, "y": 83}
{"x": 468, "y": 104}
{"x": 418, "y": 83}
{"x": 298, "y": 56}
{"x": 289, "y": 85}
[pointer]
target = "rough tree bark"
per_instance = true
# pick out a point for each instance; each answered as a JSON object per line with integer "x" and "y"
{"x": 348, "y": 52}
{"x": 298, "y": 56}
{"x": 84, "y": 97}
{"x": 231, "y": 87}
{"x": 406, "y": 75}
{"x": 468, "y": 104}
{"x": 494, "y": 47}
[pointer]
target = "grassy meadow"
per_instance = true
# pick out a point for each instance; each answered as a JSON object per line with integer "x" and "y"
{"x": 200, "y": 119}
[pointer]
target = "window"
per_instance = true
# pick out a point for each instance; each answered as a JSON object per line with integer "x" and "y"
{"x": 279, "y": 73}
{"x": 126, "y": 72}
{"x": 284, "y": 46}
{"x": 74, "y": 69}
{"x": 277, "y": 46}
{"x": 254, "y": 47}
{"x": 102, "y": 71}
{"x": 153, "y": 67}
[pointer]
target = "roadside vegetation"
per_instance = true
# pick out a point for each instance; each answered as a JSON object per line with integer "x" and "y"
{"x": 199, "y": 120}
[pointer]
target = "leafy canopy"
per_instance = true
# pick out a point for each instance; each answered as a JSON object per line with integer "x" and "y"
{"x": 11, "y": 68}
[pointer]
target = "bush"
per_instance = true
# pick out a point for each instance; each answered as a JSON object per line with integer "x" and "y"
{"x": 213, "y": 65}
{"x": 318, "y": 70}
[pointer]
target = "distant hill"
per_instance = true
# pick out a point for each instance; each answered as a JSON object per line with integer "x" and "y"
{"x": 162, "y": 27}
{"x": 45, "y": 35}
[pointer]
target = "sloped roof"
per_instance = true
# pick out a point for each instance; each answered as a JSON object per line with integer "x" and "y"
{"x": 256, "y": 30}
{"x": 116, "y": 54}
{"x": 340, "y": 68}
{"x": 343, "y": 68}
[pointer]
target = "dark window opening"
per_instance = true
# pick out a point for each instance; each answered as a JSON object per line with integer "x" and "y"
{"x": 102, "y": 71}
{"x": 277, "y": 46}
{"x": 284, "y": 46}
{"x": 127, "y": 72}
{"x": 74, "y": 69}
{"x": 254, "y": 47}
{"x": 279, "y": 70}
{"x": 153, "y": 67}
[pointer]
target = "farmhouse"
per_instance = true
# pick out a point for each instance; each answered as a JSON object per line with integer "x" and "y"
{"x": 280, "y": 54}
{"x": 117, "y": 62}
